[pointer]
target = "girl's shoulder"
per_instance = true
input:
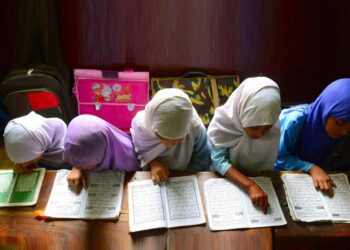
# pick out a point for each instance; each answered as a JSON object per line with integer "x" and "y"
{"x": 198, "y": 130}
{"x": 295, "y": 111}
{"x": 294, "y": 116}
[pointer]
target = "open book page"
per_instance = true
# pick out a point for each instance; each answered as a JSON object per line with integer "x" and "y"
{"x": 22, "y": 189}
{"x": 183, "y": 202}
{"x": 173, "y": 204}
{"x": 63, "y": 202}
{"x": 304, "y": 201}
{"x": 274, "y": 215}
{"x": 339, "y": 204}
{"x": 229, "y": 207}
{"x": 104, "y": 194}
{"x": 224, "y": 205}
{"x": 146, "y": 208}
{"x": 102, "y": 198}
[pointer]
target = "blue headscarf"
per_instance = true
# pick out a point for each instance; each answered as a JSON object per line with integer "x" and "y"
{"x": 315, "y": 144}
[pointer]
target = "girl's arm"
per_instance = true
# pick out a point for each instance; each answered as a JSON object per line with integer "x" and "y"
{"x": 256, "y": 194}
{"x": 222, "y": 164}
{"x": 290, "y": 131}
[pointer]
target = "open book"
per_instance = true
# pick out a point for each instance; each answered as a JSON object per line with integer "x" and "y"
{"x": 229, "y": 207}
{"x": 308, "y": 204}
{"x": 101, "y": 200}
{"x": 166, "y": 205}
{"x": 20, "y": 189}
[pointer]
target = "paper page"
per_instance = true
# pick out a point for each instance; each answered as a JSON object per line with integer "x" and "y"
{"x": 274, "y": 215}
{"x": 183, "y": 202}
{"x": 291, "y": 211}
{"x": 105, "y": 194}
{"x": 146, "y": 209}
{"x": 306, "y": 202}
{"x": 63, "y": 202}
{"x": 339, "y": 204}
{"x": 224, "y": 205}
{"x": 7, "y": 179}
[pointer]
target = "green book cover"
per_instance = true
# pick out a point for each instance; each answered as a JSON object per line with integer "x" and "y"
{"x": 6, "y": 179}
{"x": 20, "y": 189}
{"x": 25, "y": 187}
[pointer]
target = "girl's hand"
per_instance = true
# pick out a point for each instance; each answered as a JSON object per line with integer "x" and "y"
{"x": 321, "y": 180}
{"x": 159, "y": 171}
{"x": 75, "y": 178}
{"x": 19, "y": 168}
{"x": 258, "y": 196}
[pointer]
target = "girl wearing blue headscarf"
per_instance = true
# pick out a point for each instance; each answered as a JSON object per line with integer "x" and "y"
{"x": 311, "y": 133}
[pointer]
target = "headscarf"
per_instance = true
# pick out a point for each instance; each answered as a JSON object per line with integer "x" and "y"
{"x": 256, "y": 102}
{"x": 315, "y": 144}
{"x": 171, "y": 115}
{"x": 93, "y": 141}
{"x": 28, "y": 137}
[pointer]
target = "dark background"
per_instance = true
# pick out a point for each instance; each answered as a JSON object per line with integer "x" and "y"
{"x": 302, "y": 44}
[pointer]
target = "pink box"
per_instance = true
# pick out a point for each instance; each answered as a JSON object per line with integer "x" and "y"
{"x": 113, "y": 96}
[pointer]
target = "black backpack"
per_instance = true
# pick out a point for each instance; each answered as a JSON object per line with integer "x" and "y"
{"x": 40, "y": 88}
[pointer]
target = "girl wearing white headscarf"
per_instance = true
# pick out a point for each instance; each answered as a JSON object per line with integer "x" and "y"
{"x": 169, "y": 134}
{"x": 245, "y": 133}
{"x": 33, "y": 138}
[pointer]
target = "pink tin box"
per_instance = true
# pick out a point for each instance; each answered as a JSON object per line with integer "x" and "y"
{"x": 113, "y": 96}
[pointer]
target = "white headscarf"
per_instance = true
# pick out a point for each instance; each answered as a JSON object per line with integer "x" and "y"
{"x": 28, "y": 137}
{"x": 171, "y": 115}
{"x": 256, "y": 102}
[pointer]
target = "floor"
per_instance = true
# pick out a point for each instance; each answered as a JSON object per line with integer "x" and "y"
{"x": 5, "y": 162}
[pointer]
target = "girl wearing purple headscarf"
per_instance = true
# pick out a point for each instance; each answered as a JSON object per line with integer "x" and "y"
{"x": 33, "y": 139}
{"x": 310, "y": 134}
{"x": 93, "y": 144}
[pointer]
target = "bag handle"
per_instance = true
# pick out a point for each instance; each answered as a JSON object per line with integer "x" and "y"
{"x": 109, "y": 74}
{"x": 114, "y": 74}
{"x": 194, "y": 73}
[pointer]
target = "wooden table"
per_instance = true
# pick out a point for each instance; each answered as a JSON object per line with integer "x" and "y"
{"x": 200, "y": 237}
{"x": 300, "y": 235}
{"x": 20, "y": 230}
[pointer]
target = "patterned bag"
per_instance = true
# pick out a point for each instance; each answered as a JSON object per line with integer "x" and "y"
{"x": 206, "y": 92}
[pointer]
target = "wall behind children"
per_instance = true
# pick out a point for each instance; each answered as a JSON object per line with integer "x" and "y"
{"x": 302, "y": 45}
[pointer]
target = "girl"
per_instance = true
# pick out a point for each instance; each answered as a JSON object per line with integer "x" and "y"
{"x": 33, "y": 139}
{"x": 94, "y": 144}
{"x": 311, "y": 133}
{"x": 244, "y": 134}
{"x": 168, "y": 134}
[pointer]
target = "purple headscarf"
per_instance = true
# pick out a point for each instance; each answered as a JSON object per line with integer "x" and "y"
{"x": 91, "y": 140}
{"x": 315, "y": 144}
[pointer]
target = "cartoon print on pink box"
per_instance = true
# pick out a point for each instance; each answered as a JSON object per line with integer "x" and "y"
{"x": 114, "y": 93}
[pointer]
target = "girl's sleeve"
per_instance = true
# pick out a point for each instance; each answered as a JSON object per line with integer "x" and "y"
{"x": 220, "y": 159}
{"x": 290, "y": 131}
{"x": 200, "y": 159}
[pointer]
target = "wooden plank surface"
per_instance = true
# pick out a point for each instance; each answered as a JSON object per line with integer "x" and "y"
{"x": 301, "y": 235}
{"x": 200, "y": 237}
{"x": 20, "y": 230}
